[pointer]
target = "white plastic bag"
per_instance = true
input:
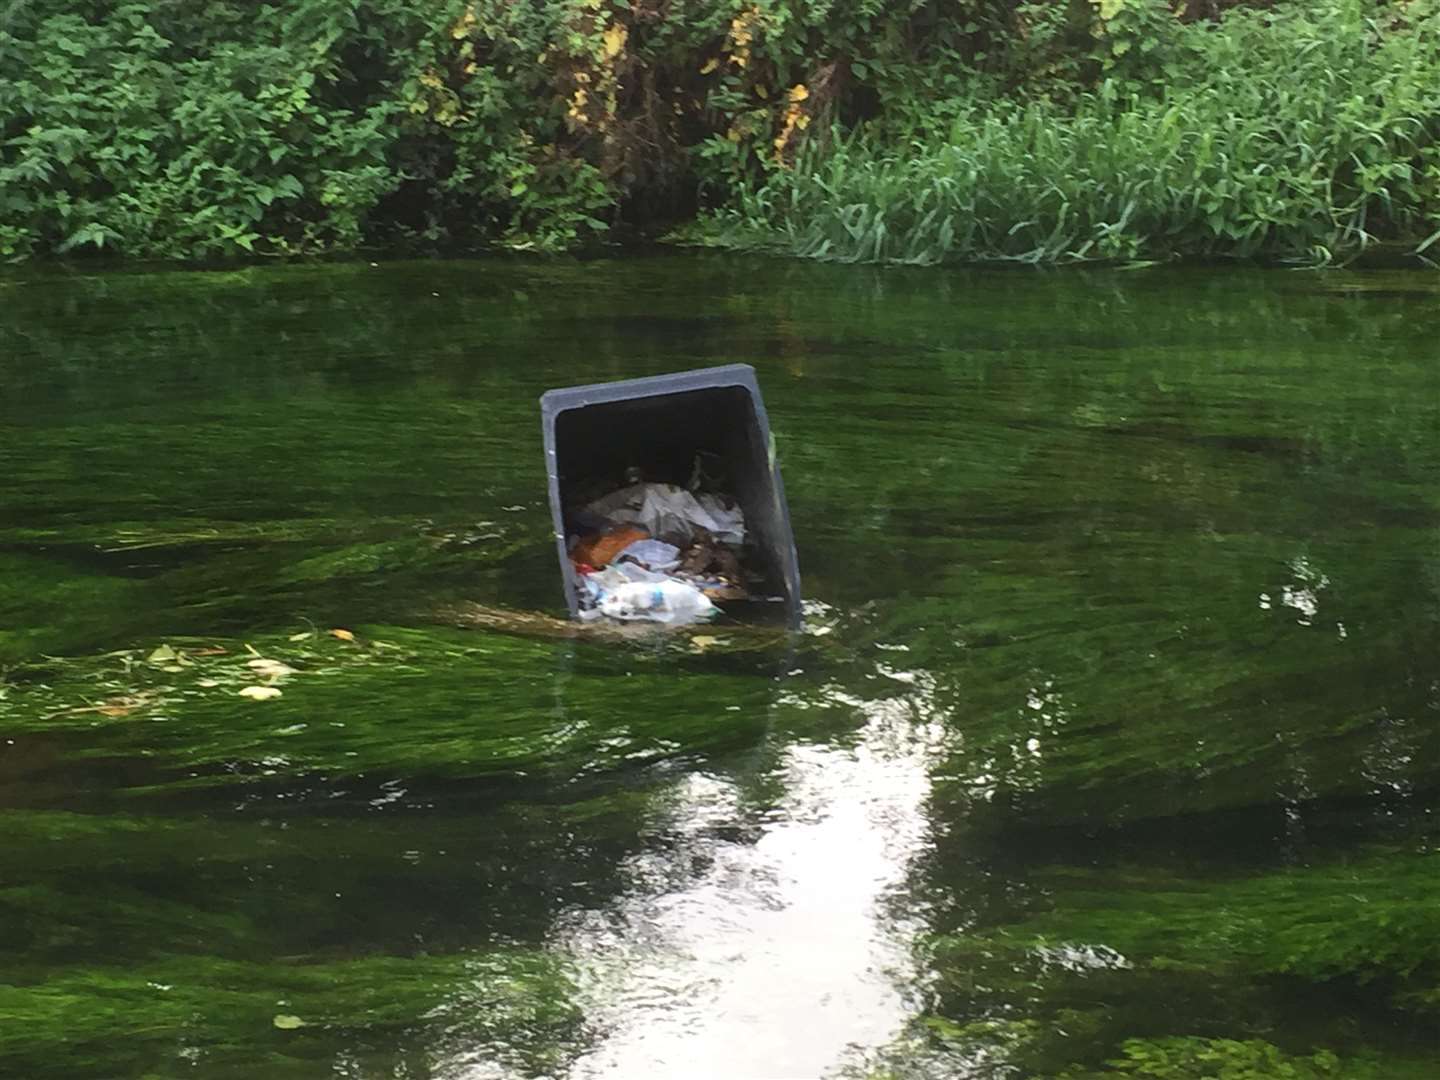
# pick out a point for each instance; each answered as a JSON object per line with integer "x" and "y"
{"x": 666, "y": 601}
{"x": 598, "y": 584}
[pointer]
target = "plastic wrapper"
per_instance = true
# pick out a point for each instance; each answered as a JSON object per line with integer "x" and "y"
{"x": 652, "y": 554}
{"x": 671, "y": 513}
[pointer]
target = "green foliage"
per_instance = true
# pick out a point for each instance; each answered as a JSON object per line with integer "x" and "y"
{"x": 1305, "y": 134}
{"x": 117, "y": 135}
{"x": 1182, "y": 1058}
{"x": 1093, "y": 129}
{"x": 196, "y": 130}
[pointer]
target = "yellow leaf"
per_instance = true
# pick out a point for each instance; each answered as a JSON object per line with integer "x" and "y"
{"x": 462, "y": 27}
{"x": 260, "y": 693}
{"x": 798, "y": 92}
{"x": 710, "y": 65}
{"x": 343, "y": 635}
{"x": 286, "y": 1022}
{"x": 762, "y": 92}
{"x": 615, "y": 40}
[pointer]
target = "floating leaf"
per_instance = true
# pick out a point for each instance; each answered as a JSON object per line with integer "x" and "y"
{"x": 286, "y": 1022}
{"x": 299, "y": 637}
{"x": 163, "y": 655}
{"x": 343, "y": 635}
{"x": 260, "y": 693}
{"x": 271, "y": 669}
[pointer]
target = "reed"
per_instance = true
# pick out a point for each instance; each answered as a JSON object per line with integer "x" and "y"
{"x": 1309, "y": 135}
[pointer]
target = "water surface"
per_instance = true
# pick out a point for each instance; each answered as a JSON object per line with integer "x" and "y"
{"x": 1110, "y": 745}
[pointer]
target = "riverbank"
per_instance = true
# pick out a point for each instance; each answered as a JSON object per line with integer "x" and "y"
{"x": 1114, "y": 131}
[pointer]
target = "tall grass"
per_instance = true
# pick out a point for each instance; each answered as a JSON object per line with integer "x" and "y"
{"x": 1307, "y": 134}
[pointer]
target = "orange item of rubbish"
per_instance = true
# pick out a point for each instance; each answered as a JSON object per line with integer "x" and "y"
{"x": 600, "y": 551}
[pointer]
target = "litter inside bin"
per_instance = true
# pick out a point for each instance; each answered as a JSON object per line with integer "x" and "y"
{"x": 671, "y": 511}
{"x": 658, "y": 552}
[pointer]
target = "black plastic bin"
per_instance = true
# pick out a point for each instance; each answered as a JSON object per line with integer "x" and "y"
{"x": 593, "y": 434}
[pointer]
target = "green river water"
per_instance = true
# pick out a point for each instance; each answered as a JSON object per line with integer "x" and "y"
{"x": 1110, "y": 746}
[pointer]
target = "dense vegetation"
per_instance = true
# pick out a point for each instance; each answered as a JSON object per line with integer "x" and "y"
{"x": 854, "y": 129}
{"x": 1307, "y": 133}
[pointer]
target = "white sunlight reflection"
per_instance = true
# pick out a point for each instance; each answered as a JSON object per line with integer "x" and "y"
{"x": 777, "y": 961}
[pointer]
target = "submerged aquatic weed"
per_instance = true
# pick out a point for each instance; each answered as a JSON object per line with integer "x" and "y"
{"x": 174, "y": 705}
{"x": 1111, "y": 953}
{"x": 1050, "y": 503}
{"x": 288, "y": 1018}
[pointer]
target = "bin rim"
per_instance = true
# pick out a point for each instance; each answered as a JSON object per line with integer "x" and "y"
{"x": 562, "y": 399}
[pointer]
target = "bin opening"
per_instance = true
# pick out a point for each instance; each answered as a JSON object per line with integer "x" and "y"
{"x": 709, "y": 440}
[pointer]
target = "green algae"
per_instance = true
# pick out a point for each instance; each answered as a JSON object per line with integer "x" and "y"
{"x": 1148, "y": 561}
{"x": 172, "y": 1016}
{"x": 1183, "y": 1058}
{"x": 1338, "y": 956}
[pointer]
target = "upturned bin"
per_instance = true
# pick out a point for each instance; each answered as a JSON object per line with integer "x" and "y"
{"x": 595, "y": 434}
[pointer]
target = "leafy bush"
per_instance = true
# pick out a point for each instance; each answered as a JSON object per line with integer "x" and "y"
{"x": 187, "y": 129}
{"x": 856, "y": 129}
